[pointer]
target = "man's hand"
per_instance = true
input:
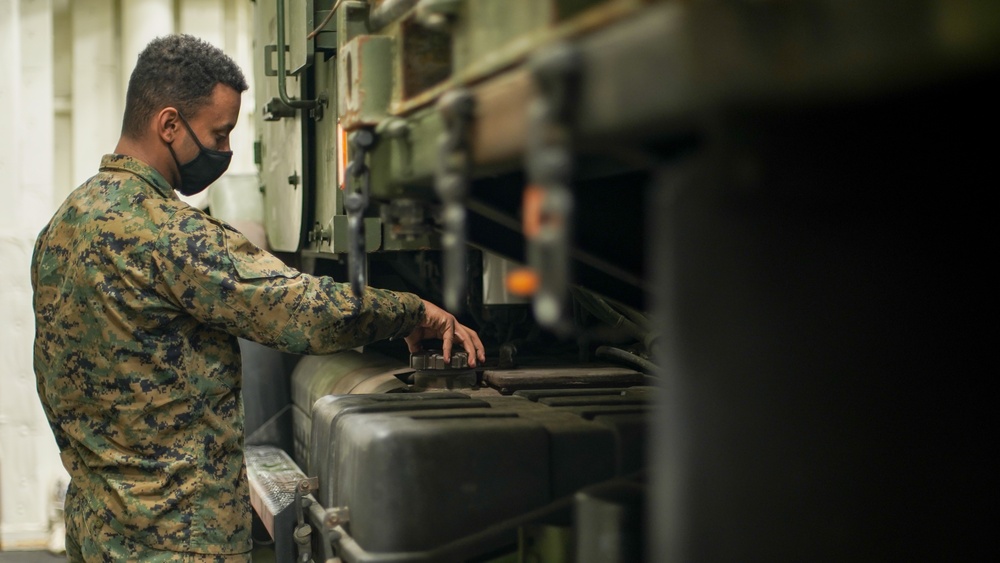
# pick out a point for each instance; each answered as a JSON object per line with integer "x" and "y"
{"x": 438, "y": 323}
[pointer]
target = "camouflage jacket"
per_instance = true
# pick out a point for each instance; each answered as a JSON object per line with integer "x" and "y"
{"x": 138, "y": 301}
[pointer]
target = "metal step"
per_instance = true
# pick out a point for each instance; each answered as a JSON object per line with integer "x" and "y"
{"x": 274, "y": 478}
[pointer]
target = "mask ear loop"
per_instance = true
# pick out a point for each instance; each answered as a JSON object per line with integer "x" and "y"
{"x": 198, "y": 142}
{"x": 191, "y": 131}
{"x": 201, "y": 148}
{"x": 170, "y": 145}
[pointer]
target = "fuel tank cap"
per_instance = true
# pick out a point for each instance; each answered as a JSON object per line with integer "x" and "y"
{"x": 433, "y": 360}
{"x": 432, "y": 372}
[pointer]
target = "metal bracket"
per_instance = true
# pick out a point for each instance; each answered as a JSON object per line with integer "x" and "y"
{"x": 355, "y": 204}
{"x": 336, "y": 516}
{"x": 452, "y": 185}
{"x": 269, "y": 52}
{"x": 275, "y": 110}
{"x": 318, "y": 112}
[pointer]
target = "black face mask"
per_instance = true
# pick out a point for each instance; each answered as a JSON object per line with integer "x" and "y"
{"x": 204, "y": 169}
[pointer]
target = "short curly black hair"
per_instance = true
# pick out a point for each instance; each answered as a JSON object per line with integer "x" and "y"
{"x": 176, "y": 71}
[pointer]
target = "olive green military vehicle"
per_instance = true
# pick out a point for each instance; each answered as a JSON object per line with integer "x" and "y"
{"x": 720, "y": 252}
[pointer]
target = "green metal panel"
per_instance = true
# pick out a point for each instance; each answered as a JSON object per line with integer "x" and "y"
{"x": 352, "y": 21}
{"x": 485, "y": 27}
{"x": 365, "y": 80}
{"x": 328, "y": 197}
{"x": 569, "y": 8}
{"x": 373, "y": 234}
{"x": 403, "y": 166}
{"x": 326, "y": 38}
{"x": 280, "y": 145}
{"x": 299, "y": 22}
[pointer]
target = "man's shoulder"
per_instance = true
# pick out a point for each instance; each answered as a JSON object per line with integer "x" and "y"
{"x": 180, "y": 218}
{"x": 112, "y": 210}
{"x": 190, "y": 234}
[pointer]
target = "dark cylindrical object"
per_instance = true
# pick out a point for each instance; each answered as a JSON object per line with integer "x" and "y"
{"x": 610, "y": 523}
{"x": 818, "y": 346}
{"x": 624, "y": 356}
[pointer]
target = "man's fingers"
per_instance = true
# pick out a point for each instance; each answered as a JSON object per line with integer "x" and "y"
{"x": 462, "y": 334}
{"x": 442, "y": 324}
{"x": 479, "y": 351}
{"x": 478, "y": 344}
{"x": 472, "y": 344}
{"x": 448, "y": 336}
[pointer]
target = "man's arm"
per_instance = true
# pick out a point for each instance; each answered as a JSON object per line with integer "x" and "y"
{"x": 216, "y": 275}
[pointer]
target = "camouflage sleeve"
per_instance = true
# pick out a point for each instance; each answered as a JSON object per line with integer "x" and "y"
{"x": 216, "y": 275}
{"x": 39, "y": 357}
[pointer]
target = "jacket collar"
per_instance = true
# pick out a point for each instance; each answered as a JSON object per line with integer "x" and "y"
{"x": 124, "y": 163}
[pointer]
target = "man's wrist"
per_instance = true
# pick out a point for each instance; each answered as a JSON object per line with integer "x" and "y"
{"x": 413, "y": 314}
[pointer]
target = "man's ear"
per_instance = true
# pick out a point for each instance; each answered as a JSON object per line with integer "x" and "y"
{"x": 167, "y": 123}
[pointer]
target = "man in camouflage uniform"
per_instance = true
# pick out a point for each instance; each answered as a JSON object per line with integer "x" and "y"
{"x": 139, "y": 300}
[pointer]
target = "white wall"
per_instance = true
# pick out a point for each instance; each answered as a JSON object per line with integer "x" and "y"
{"x": 64, "y": 66}
{"x": 29, "y": 462}
{"x": 96, "y": 95}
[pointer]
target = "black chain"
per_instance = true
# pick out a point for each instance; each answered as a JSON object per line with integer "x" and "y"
{"x": 452, "y": 186}
{"x": 356, "y": 203}
{"x": 550, "y": 167}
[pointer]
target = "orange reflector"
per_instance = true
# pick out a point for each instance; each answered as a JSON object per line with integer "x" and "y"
{"x": 523, "y": 282}
{"x": 531, "y": 210}
{"x": 341, "y": 156}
